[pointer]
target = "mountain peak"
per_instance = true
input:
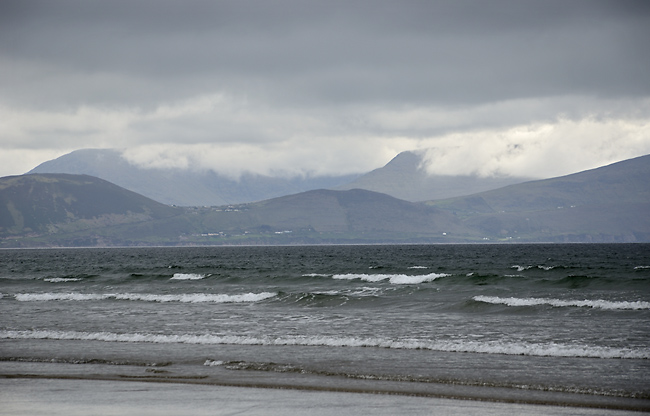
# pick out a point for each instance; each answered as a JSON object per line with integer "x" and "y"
{"x": 182, "y": 187}
{"x": 404, "y": 177}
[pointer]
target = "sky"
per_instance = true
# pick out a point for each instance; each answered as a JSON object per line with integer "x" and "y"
{"x": 523, "y": 88}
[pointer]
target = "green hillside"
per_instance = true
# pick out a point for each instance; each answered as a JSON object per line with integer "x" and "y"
{"x": 55, "y": 204}
{"x": 355, "y": 215}
{"x": 611, "y": 203}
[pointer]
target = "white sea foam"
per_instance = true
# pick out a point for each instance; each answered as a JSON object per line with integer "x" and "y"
{"x": 212, "y": 363}
{"x": 596, "y": 304}
{"x": 482, "y": 347}
{"x": 62, "y": 279}
{"x": 522, "y": 268}
{"x": 397, "y": 279}
{"x": 35, "y": 297}
{"x": 147, "y": 297}
{"x": 362, "y": 292}
{"x": 327, "y": 292}
{"x": 418, "y": 267}
{"x": 367, "y": 291}
{"x": 188, "y": 276}
{"x": 316, "y": 275}
{"x": 641, "y": 267}
{"x": 197, "y": 297}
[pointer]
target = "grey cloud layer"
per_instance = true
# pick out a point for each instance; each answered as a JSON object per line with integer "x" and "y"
{"x": 327, "y": 86}
{"x": 298, "y": 53}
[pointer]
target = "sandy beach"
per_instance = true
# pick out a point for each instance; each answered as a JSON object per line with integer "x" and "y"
{"x": 22, "y": 396}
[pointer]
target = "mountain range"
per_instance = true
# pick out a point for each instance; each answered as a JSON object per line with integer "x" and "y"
{"x": 608, "y": 204}
{"x": 183, "y": 187}
{"x": 404, "y": 177}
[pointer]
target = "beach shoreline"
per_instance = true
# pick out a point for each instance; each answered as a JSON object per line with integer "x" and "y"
{"x": 186, "y": 377}
{"x": 73, "y": 395}
{"x": 409, "y": 327}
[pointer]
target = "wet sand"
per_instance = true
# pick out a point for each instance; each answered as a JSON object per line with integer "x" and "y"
{"x": 69, "y": 397}
{"x": 182, "y": 380}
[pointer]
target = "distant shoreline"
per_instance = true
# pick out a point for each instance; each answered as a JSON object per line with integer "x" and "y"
{"x": 494, "y": 243}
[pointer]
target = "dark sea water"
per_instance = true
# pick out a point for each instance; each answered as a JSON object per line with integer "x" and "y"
{"x": 565, "y": 324}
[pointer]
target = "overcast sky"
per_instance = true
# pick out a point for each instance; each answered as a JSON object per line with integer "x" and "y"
{"x": 534, "y": 88}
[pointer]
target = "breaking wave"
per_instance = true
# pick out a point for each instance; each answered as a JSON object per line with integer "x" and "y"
{"x": 485, "y": 347}
{"x": 396, "y": 279}
{"x": 541, "y": 267}
{"x": 596, "y": 304}
{"x": 146, "y": 297}
{"x": 188, "y": 276}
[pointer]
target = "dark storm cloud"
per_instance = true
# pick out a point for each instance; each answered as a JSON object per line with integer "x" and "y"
{"x": 452, "y": 52}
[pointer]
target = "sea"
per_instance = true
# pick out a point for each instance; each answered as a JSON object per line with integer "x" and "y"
{"x": 560, "y": 324}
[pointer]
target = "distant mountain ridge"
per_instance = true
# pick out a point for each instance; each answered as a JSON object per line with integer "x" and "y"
{"x": 405, "y": 177}
{"x": 355, "y": 211}
{"x": 608, "y": 204}
{"x": 182, "y": 187}
{"x": 594, "y": 205}
{"x": 79, "y": 210}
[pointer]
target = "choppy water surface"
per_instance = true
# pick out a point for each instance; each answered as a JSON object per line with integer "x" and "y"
{"x": 567, "y": 318}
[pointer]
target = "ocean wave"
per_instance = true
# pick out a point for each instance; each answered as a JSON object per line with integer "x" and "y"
{"x": 596, "y": 304}
{"x": 188, "y": 276}
{"x": 481, "y": 347}
{"x": 520, "y": 268}
{"x": 362, "y": 292}
{"x": 641, "y": 267}
{"x": 396, "y": 279}
{"x": 331, "y": 297}
{"x": 146, "y": 297}
{"x": 542, "y": 267}
{"x": 62, "y": 279}
{"x": 35, "y": 297}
